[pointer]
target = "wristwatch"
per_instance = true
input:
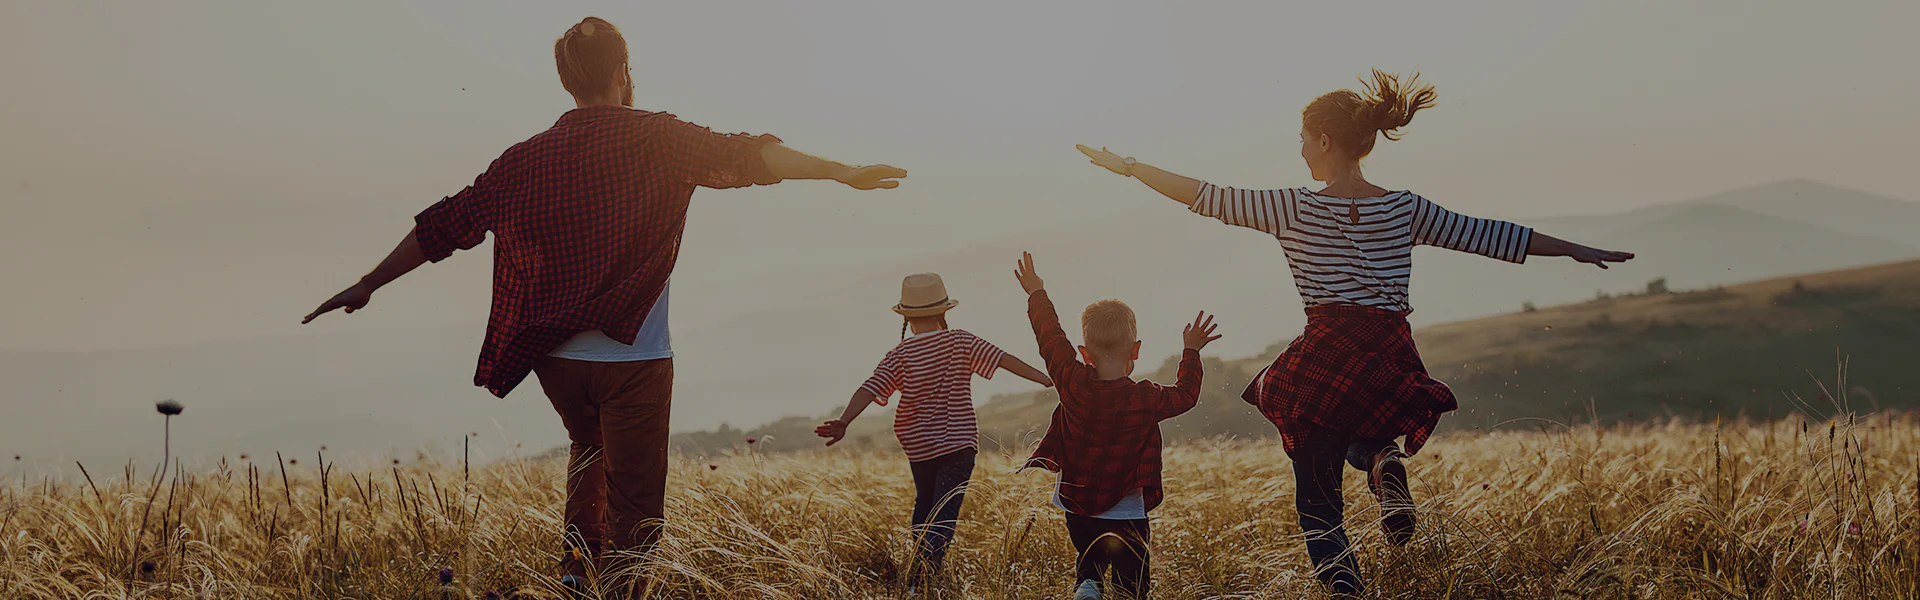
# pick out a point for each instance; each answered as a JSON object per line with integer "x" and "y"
{"x": 1128, "y": 161}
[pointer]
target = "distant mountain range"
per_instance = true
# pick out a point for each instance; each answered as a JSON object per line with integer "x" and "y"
{"x": 797, "y": 342}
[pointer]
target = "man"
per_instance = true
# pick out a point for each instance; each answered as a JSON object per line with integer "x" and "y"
{"x": 587, "y": 218}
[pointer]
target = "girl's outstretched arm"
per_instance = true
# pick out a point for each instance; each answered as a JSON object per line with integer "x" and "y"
{"x": 836, "y": 429}
{"x": 1182, "y": 189}
{"x": 1021, "y": 368}
{"x": 1546, "y": 245}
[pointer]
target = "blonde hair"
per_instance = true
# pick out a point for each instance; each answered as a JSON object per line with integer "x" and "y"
{"x": 1353, "y": 119}
{"x": 1108, "y": 326}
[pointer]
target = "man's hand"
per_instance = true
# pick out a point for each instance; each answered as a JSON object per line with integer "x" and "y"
{"x": 1598, "y": 257}
{"x": 1103, "y": 158}
{"x": 352, "y": 299}
{"x": 871, "y": 177}
{"x": 1029, "y": 280}
{"x": 833, "y": 430}
{"x": 1199, "y": 333}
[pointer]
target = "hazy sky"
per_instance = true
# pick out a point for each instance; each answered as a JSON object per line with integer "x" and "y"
{"x": 186, "y": 171}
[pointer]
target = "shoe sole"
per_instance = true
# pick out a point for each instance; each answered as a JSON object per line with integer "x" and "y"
{"x": 1396, "y": 500}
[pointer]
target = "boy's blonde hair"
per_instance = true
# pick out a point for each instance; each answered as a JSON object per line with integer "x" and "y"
{"x": 1108, "y": 327}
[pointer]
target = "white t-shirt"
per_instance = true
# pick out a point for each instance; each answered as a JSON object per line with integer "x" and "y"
{"x": 653, "y": 343}
{"x": 1130, "y": 507}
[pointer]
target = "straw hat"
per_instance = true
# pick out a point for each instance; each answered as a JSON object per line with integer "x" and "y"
{"x": 923, "y": 295}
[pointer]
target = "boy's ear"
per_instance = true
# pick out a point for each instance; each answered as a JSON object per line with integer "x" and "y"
{"x": 1136, "y": 351}
{"x": 1086, "y": 354}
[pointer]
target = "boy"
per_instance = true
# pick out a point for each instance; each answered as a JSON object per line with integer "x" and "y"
{"x": 1104, "y": 439}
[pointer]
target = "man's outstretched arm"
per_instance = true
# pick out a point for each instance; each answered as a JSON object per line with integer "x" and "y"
{"x": 404, "y": 258}
{"x": 787, "y": 163}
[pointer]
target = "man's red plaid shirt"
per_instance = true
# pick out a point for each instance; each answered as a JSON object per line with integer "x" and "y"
{"x": 586, "y": 219}
{"x": 1104, "y": 439}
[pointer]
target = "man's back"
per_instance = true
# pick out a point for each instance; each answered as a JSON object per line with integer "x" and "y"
{"x": 586, "y": 218}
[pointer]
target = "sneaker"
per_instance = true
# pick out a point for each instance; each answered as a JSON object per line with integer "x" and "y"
{"x": 1088, "y": 590}
{"x": 1388, "y": 481}
{"x": 575, "y": 586}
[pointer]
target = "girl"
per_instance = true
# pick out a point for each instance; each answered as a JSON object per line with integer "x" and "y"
{"x": 933, "y": 372}
{"x": 1352, "y": 382}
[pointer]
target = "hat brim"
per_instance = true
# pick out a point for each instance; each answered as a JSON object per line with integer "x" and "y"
{"x": 926, "y": 311}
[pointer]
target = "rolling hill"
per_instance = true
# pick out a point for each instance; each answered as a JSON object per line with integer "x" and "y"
{"x": 1814, "y": 344}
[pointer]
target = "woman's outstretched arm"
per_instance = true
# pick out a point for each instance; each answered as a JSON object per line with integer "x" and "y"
{"x": 1546, "y": 245}
{"x": 1182, "y": 189}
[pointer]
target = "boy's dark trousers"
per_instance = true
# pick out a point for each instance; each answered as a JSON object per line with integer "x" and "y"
{"x": 1316, "y": 474}
{"x": 1117, "y": 543}
{"x": 939, "y": 485}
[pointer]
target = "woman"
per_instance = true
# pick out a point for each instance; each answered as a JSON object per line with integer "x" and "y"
{"x": 1352, "y": 382}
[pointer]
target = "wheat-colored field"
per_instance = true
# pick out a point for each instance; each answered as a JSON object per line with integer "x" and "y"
{"x": 1784, "y": 510}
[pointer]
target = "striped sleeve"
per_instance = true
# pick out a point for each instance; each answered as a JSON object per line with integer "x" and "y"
{"x": 886, "y": 378}
{"x": 983, "y": 358}
{"x": 1265, "y": 210}
{"x": 1437, "y": 226}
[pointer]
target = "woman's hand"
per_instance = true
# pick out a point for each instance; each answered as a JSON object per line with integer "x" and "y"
{"x": 1103, "y": 158}
{"x": 1598, "y": 257}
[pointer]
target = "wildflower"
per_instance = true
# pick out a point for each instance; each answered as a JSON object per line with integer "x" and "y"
{"x": 169, "y": 407}
{"x": 1486, "y": 484}
{"x": 323, "y": 447}
{"x": 1853, "y": 528}
{"x": 446, "y": 575}
{"x": 713, "y": 467}
{"x": 243, "y": 456}
{"x": 751, "y": 440}
{"x": 147, "y": 566}
{"x": 293, "y": 461}
{"x": 396, "y": 462}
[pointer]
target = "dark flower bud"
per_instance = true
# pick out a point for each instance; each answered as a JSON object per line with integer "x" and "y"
{"x": 446, "y": 575}
{"x": 168, "y": 407}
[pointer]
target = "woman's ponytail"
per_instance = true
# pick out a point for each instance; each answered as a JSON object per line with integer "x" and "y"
{"x": 1388, "y": 105}
{"x": 1352, "y": 120}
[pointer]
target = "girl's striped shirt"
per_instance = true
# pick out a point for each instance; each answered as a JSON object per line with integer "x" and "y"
{"x": 1338, "y": 259}
{"x": 934, "y": 373}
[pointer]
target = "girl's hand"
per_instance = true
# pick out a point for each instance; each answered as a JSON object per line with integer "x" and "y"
{"x": 834, "y": 431}
{"x": 1598, "y": 257}
{"x": 1103, "y": 158}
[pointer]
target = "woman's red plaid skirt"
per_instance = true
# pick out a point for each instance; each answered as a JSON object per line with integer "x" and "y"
{"x": 1354, "y": 370}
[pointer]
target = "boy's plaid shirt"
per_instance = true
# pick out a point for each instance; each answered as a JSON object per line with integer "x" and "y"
{"x": 1104, "y": 439}
{"x": 586, "y": 219}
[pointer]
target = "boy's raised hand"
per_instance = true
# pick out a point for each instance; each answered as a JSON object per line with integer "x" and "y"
{"x": 1029, "y": 280}
{"x": 833, "y": 430}
{"x": 1199, "y": 333}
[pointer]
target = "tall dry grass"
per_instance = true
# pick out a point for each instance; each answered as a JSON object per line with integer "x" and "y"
{"x": 1782, "y": 510}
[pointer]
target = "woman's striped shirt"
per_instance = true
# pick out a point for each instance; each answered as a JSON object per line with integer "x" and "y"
{"x": 1338, "y": 259}
{"x": 934, "y": 373}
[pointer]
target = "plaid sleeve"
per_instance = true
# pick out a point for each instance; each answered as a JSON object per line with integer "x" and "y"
{"x": 1185, "y": 393}
{"x": 716, "y": 160}
{"x": 983, "y": 358}
{"x": 1437, "y": 226}
{"x": 885, "y": 380}
{"x": 1265, "y": 210}
{"x": 1055, "y": 349}
{"x": 460, "y": 221}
